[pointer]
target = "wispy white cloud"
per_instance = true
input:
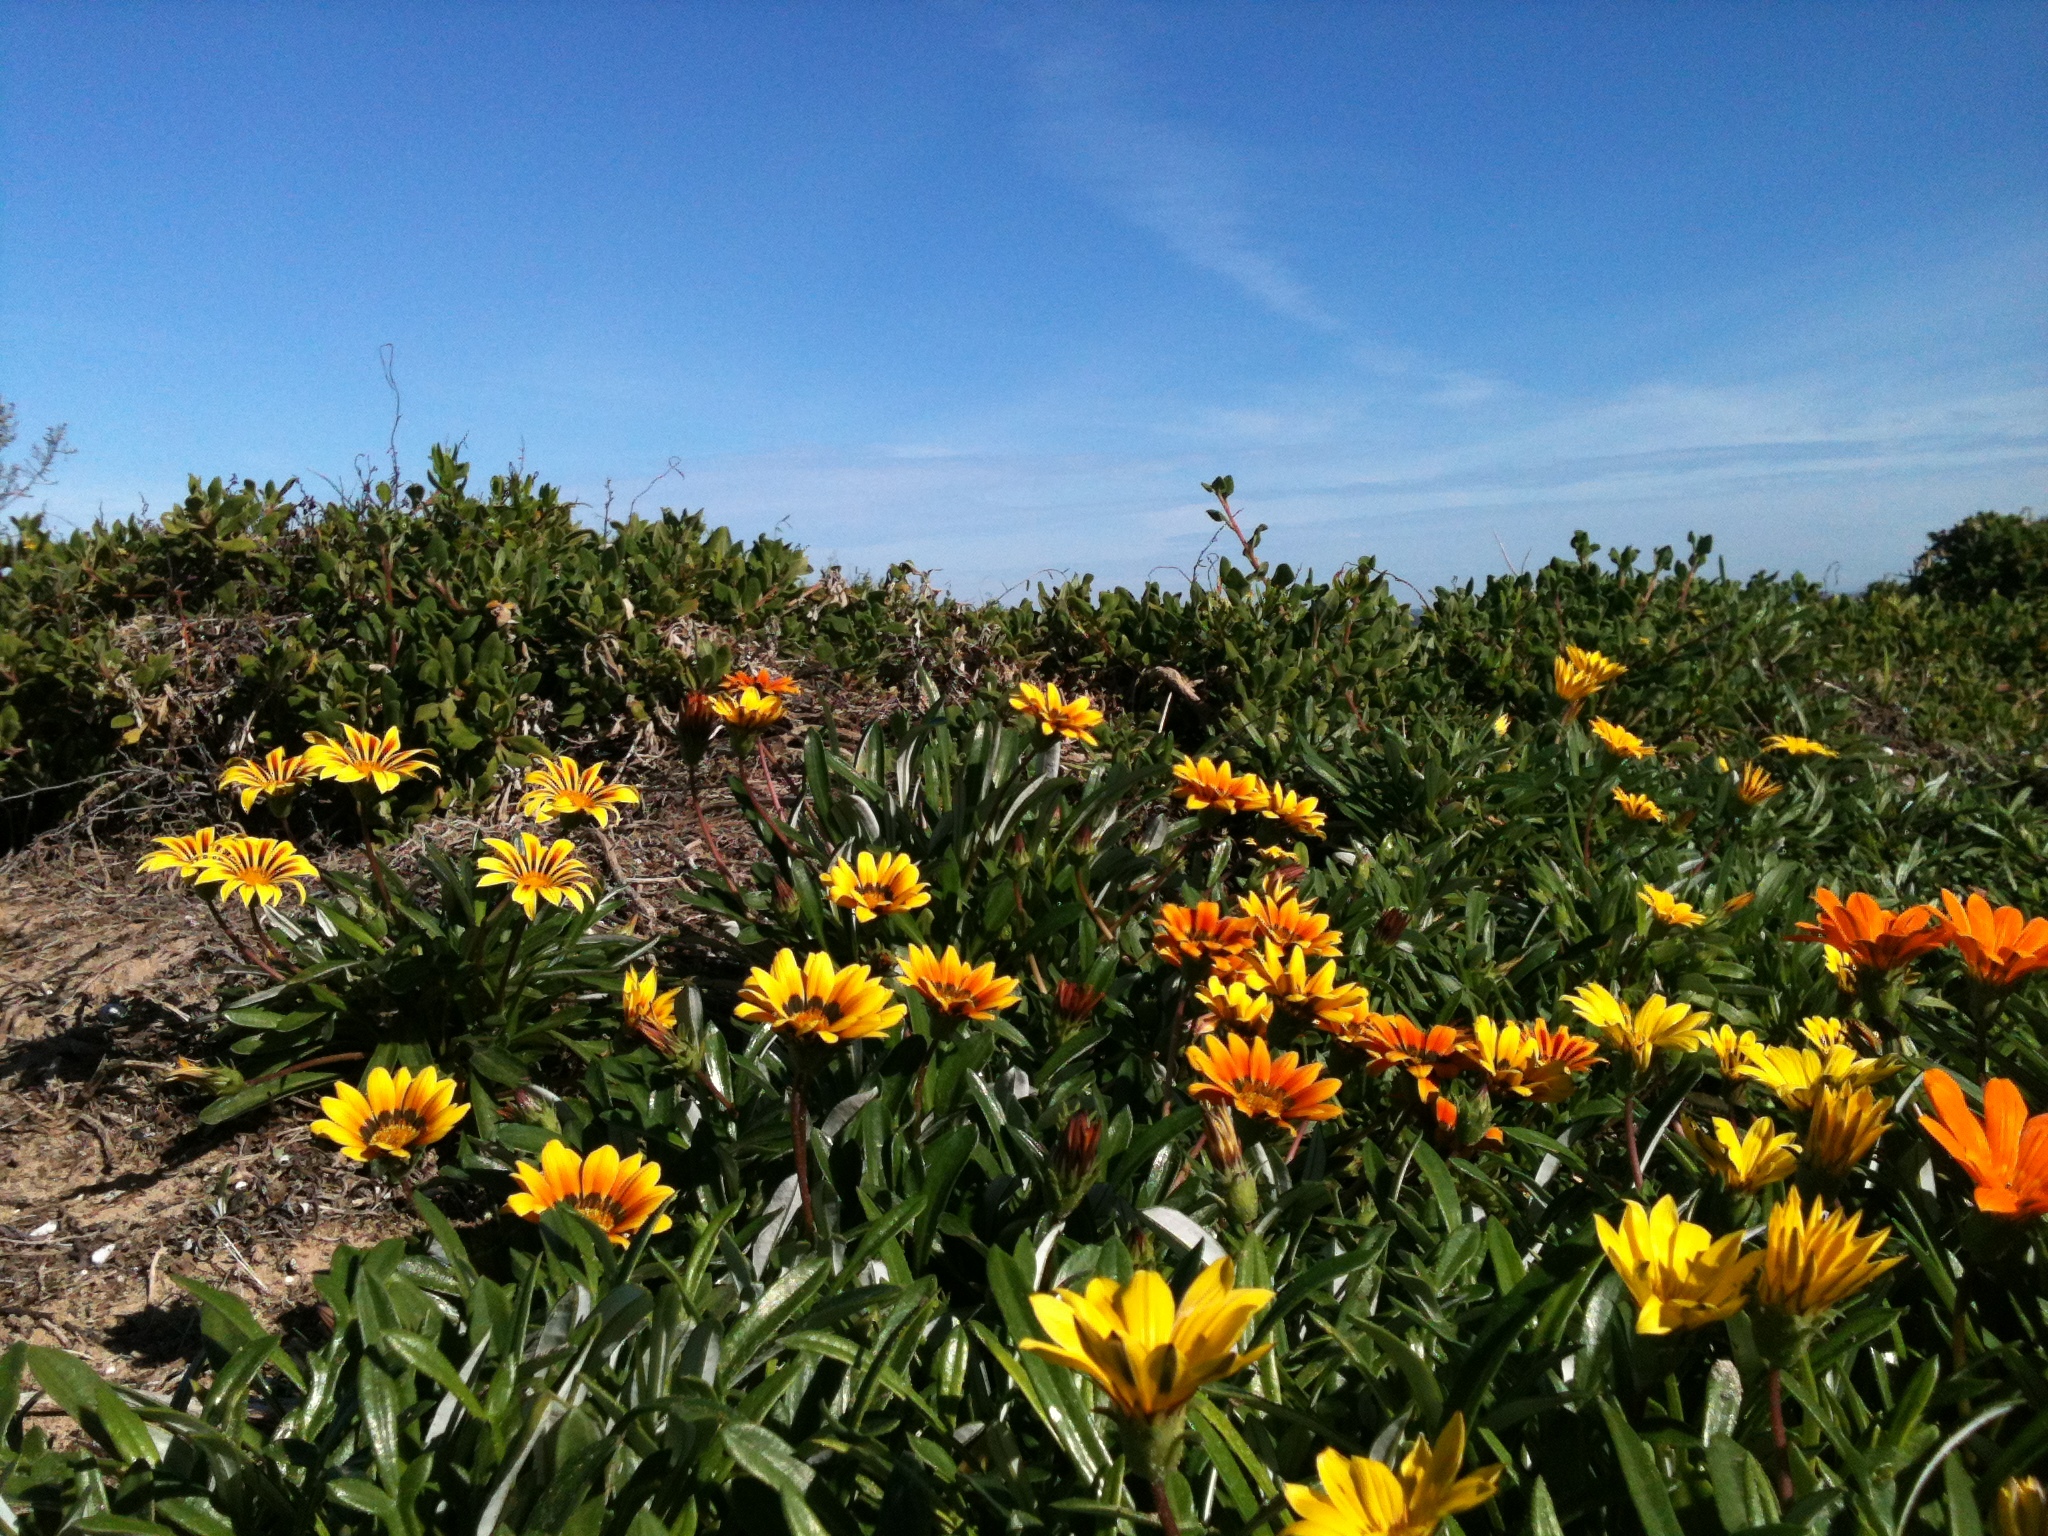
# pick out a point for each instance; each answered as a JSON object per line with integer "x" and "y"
{"x": 1166, "y": 177}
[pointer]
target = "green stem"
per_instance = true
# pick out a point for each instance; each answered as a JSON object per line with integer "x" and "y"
{"x": 1779, "y": 1442}
{"x": 376, "y": 864}
{"x": 1628, "y": 1135}
{"x": 800, "y": 1138}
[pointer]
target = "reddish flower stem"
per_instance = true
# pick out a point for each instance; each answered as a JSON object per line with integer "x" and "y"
{"x": 1779, "y": 1441}
{"x": 1628, "y": 1136}
{"x": 704, "y": 826}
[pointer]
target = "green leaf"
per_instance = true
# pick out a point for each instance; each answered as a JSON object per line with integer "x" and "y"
{"x": 1639, "y": 1470}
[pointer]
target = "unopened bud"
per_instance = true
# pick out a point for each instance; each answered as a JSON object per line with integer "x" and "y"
{"x": 219, "y": 1081}
{"x": 1392, "y": 924}
{"x": 1075, "y": 1003}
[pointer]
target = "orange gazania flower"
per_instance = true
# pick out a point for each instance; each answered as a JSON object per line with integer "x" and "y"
{"x": 650, "y": 1012}
{"x": 1431, "y": 1056}
{"x": 1193, "y": 935}
{"x": 762, "y": 681}
{"x": 954, "y": 988}
{"x": 1873, "y": 938}
{"x": 1291, "y": 923}
{"x": 616, "y": 1194}
{"x": 1242, "y": 1074}
{"x": 2005, "y": 1153}
{"x": 1212, "y": 786}
{"x": 2000, "y": 945}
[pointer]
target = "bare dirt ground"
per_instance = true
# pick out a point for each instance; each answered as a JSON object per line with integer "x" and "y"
{"x": 109, "y": 1186}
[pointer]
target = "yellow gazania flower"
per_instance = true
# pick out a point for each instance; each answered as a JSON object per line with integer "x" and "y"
{"x": 1148, "y": 1354}
{"x": 277, "y": 774}
{"x": 1814, "y": 1259}
{"x": 1072, "y": 719}
{"x": 953, "y": 987}
{"x": 1578, "y": 675}
{"x": 391, "y": 1115}
{"x": 1761, "y": 1156}
{"x": 1211, "y": 786}
{"x": 537, "y": 872}
{"x": 1667, "y": 908}
{"x": 1638, "y": 807}
{"x": 821, "y": 1002}
{"x": 748, "y": 711}
{"x": 872, "y": 887}
{"x": 650, "y": 1013}
{"x": 1291, "y": 923}
{"x": 1198, "y": 934}
{"x": 1681, "y": 1275}
{"x": 1503, "y": 723}
{"x": 561, "y": 788}
{"x": 1297, "y": 813}
{"x": 1622, "y": 742}
{"x": 1755, "y": 786}
{"x": 1840, "y": 966}
{"x": 1846, "y": 1123}
{"x": 1363, "y": 1497}
{"x": 186, "y": 857}
{"x": 220, "y": 1080}
{"x": 1232, "y": 1005}
{"x": 2022, "y": 1507}
{"x": 257, "y": 869}
{"x": 1732, "y": 1050}
{"x": 362, "y": 758}
{"x": 1243, "y": 1074}
{"x": 1796, "y": 1075}
{"x": 1284, "y": 976}
{"x": 1657, "y": 1025}
{"x": 617, "y": 1195}
{"x": 1798, "y": 746}
{"x": 762, "y": 680}
{"x": 1824, "y": 1034}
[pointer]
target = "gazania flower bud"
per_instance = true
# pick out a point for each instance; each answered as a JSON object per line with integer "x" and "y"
{"x": 1392, "y": 924}
{"x": 1075, "y": 1003}
{"x": 695, "y": 722}
{"x": 1074, "y": 1159}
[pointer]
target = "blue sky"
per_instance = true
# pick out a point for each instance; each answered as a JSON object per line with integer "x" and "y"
{"x": 993, "y": 288}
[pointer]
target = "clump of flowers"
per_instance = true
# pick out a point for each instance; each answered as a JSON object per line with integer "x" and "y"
{"x": 393, "y": 1114}
{"x": 1304, "y": 996}
{"x": 617, "y": 1195}
{"x": 1796, "y": 1075}
{"x": 876, "y": 885}
{"x": 1528, "y": 1061}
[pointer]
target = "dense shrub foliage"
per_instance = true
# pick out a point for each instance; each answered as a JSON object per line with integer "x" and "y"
{"x": 980, "y": 1059}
